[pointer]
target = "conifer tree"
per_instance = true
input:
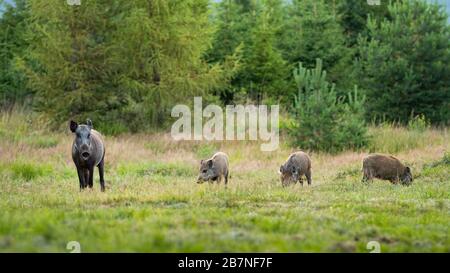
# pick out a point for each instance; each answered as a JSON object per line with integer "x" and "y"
{"x": 312, "y": 31}
{"x": 323, "y": 120}
{"x": 124, "y": 62}
{"x": 265, "y": 70}
{"x": 404, "y": 63}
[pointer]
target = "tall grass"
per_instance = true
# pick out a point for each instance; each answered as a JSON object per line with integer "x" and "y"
{"x": 21, "y": 125}
{"x": 391, "y": 138}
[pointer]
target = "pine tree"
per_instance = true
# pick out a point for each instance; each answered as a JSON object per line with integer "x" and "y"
{"x": 233, "y": 23}
{"x": 353, "y": 17}
{"x": 265, "y": 71}
{"x": 405, "y": 63}
{"x": 324, "y": 121}
{"x": 313, "y": 31}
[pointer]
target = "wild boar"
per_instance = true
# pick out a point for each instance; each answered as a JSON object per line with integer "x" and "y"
{"x": 88, "y": 151}
{"x": 297, "y": 165}
{"x": 386, "y": 167}
{"x": 214, "y": 169}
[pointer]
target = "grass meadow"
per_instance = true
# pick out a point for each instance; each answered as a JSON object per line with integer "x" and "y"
{"x": 152, "y": 203}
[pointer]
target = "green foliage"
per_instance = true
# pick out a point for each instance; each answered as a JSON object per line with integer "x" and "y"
{"x": 122, "y": 73}
{"x": 265, "y": 71}
{"x": 324, "y": 121}
{"x": 418, "y": 123}
{"x": 125, "y": 64}
{"x": 13, "y": 89}
{"x": 405, "y": 63}
{"x": 354, "y": 14}
{"x": 312, "y": 31}
{"x": 253, "y": 28}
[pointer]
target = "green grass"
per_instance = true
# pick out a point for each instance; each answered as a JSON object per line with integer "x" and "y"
{"x": 152, "y": 203}
{"x": 340, "y": 215}
{"x": 20, "y": 170}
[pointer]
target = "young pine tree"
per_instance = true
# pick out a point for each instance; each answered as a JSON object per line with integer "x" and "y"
{"x": 323, "y": 121}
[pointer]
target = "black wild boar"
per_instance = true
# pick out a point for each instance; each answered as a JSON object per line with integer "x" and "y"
{"x": 88, "y": 151}
{"x": 297, "y": 165}
{"x": 386, "y": 167}
{"x": 214, "y": 169}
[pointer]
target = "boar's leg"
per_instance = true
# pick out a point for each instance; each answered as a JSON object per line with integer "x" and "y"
{"x": 226, "y": 178}
{"x": 366, "y": 175}
{"x": 86, "y": 177}
{"x": 308, "y": 177}
{"x": 81, "y": 177}
{"x": 101, "y": 166}
{"x": 91, "y": 177}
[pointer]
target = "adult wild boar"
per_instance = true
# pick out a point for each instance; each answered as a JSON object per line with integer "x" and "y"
{"x": 386, "y": 167}
{"x": 297, "y": 165}
{"x": 88, "y": 151}
{"x": 214, "y": 169}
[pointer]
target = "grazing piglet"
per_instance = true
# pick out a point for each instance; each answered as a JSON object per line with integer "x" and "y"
{"x": 297, "y": 165}
{"x": 214, "y": 169}
{"x": 88, "y": 151}
{"x": 386, "y": 167}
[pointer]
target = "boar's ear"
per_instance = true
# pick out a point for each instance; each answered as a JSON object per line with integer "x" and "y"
{"x": 89, "y": 123}
{"x": 281, "y": 169}
{"x": 73, "y": 126}
{"x": 210, "y": 163}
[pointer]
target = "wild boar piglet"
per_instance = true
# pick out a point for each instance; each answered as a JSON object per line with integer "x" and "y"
{"x": 386, "y": 167}
{"x": 214, "y": 169}
{"x": 297, "y": 165}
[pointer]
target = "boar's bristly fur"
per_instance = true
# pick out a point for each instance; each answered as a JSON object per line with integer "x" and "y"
{"x": 214, "y": 169}
{"x": 297, "y": 165}
{"x": 386, "y": 167}
{"x": 88, "y": 151}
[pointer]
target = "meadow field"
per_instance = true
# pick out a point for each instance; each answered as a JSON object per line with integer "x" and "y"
{"x": 153, "y": 204}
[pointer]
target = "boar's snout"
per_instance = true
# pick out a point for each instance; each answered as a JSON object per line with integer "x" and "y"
{"x": 407, "y": 178}
{"x": 85, "y": 155}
